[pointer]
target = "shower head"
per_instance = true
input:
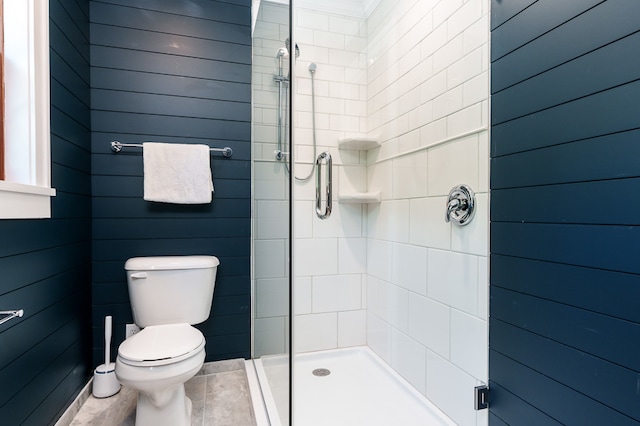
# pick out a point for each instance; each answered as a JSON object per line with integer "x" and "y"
{"x": 282, "y": 53}
{"x": 287, "y": 43}
{"x": 312, "y": 68}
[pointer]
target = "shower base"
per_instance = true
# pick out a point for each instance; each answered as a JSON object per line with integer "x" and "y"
{"x": 350, "y": 386}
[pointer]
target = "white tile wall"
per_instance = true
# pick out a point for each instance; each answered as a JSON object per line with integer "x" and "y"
{"x": 394, "y": 275}
{"x": 428, "y": 101}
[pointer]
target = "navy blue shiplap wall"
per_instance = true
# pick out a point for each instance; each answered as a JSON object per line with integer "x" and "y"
{"x": 171, "y": 71}
{"x": 45, "y": 357}
{"x": 565, "y": 275}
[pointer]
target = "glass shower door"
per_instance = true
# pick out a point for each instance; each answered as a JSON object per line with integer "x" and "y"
{"x": 271, "y": 206}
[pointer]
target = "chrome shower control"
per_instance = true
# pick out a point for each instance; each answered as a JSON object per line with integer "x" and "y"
{"x": 461, "y": 205}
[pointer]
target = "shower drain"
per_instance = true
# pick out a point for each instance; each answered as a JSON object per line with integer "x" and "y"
{"x": 321, "y": 372}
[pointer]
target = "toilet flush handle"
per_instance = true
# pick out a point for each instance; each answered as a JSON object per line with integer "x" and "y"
{"x": 139, "y": 275}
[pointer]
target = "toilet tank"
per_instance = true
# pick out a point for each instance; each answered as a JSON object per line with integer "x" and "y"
{"x": 171, "y": 289}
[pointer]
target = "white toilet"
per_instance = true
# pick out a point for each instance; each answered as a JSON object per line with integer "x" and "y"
{"x": 168, "y": 293}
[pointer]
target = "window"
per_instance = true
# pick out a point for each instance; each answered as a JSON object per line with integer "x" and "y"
{"x": 25, "y": 191}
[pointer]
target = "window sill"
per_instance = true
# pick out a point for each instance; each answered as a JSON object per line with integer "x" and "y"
{"x": 20, "y": 201}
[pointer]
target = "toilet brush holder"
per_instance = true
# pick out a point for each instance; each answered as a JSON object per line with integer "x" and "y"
{"x": 105, "y": 382}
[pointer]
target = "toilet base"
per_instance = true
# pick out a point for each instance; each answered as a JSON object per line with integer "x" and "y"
{"x": 170, "y": 407}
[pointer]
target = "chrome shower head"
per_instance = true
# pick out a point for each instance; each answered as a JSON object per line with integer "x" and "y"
{"x": 312, "y": 68}
{"x": 287, "y": 43}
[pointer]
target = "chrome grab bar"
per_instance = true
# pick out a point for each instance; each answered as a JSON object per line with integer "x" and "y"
{"x": 327, "y": 211}
{"x": 11, "y": 315}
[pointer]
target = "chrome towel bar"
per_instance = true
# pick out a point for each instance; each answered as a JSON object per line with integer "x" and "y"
{"x": 10, "y": 315}
{"x": 117, "y": 147}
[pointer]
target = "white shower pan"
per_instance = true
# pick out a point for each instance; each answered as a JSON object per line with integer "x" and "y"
{"x": 360, "y": 389}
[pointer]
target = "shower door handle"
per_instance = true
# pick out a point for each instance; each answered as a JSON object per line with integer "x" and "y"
{"x": 327, "y": 211}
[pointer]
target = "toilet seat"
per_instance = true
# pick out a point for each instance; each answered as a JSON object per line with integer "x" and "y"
{"x": 161, "y": 345}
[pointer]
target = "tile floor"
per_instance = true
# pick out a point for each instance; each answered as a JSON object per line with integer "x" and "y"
{"x": 219, "y": 392}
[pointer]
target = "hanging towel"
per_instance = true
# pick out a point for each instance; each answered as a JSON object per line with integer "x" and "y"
{"x": 177, "y": 173}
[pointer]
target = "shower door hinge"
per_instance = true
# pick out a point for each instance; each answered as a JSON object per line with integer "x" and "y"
{"x": 481, "y": 397}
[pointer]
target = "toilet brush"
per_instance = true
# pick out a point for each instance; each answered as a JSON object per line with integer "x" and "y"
{"x": 105, "y": 382}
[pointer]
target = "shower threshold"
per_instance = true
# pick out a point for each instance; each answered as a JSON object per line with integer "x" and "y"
{"x": 361, "y": 389}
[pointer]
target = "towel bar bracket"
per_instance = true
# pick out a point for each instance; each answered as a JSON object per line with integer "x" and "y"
{"x": 11, "y": 315}
{"x": 116, "y": 147}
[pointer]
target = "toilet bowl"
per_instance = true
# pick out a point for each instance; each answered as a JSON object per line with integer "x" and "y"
{"x": 157, "y": 362}
{"x": 167, "y": 295}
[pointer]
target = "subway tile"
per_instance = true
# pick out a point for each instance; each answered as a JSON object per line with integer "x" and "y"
{"x": 389, "y": 221}
{"x": 452, "y": 279}
{"x": 272, "y": 297}
{"x": 444, "y": 10}
{"x": 409, "y": 358}
{"x": 447, "y": 103}
{"x": 343, "y": 25}
{"x": 355, "y": 43}
{"x": 272, "y": 219}
{"x": 473, "y": 238}
{"x": 311, "y": 19}
{"x": 336, "y": 293}
{"x": 409, "y": 268}
{"x": 352, "y": 255}
{"x": 352, "y": 178}
{"x": 345, "y": 221}
{"x": 429, "y": 324}
{"x": 469, "y": 344}
{"x": 321, "y": 258}
{"x": 302, "y": 295}
{"x": 448, "y": 54}
{"x": 421, "y": 116}
{"x": 475, "y": 90}
{"x": 410, "y": 177}
{"x": 427, "y": 225}
{"x": 464, "y": 121}
{"x": 344, "y": 58}
{"x": 483, "y": 162}
{"x": 379, "y": 261}
{"x": 315, "y": 332}
{"x": 450, "y": 389}
{"x": 379, "y": 336}
{"x": 453, "y": 163}
{"x": 352, "y": 328}
{"x": 466, "y": 69}
{"x": 432, "y": 42}
{"x": 269, "y": 336}
{"x": 464, "y": 17}
{"x": 483, "y": 288}
{"x": 476, "y": 35}
{"x": 269, "y": 259}
{"x": 433, "y": 133}
{"x": 328, "y": 39}
{"x": 397, "y": 313}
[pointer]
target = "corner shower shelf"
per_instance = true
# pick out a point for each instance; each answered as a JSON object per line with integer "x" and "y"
{"x": 359, "y": 198}
{"x": 362, "y": 144}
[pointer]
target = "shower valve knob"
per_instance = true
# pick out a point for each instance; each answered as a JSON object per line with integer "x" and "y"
{"x": 461, "y": 205}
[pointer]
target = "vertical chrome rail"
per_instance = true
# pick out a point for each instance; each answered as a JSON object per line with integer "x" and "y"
{"x": 327, "y": 211}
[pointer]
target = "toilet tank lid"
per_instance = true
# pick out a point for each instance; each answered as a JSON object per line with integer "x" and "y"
{"x": 170, "y": 262}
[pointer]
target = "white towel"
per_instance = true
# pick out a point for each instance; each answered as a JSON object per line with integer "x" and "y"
{"x": 177, "y": 173}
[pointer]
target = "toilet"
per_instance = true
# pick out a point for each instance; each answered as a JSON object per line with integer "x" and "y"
{"x": 168, "y": 294}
